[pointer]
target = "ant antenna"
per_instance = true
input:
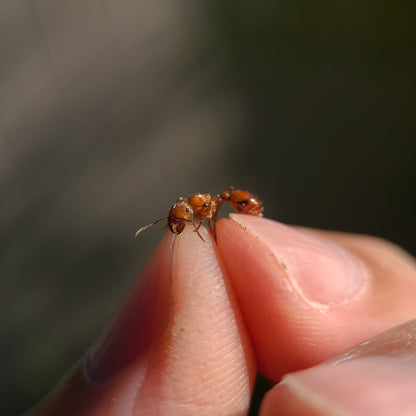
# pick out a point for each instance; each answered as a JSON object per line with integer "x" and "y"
{"x": 148, "y": 226}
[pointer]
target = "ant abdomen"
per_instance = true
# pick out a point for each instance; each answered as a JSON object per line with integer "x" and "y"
{"x": 245, "y": 202}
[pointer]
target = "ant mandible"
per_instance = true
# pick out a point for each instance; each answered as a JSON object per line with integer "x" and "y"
{"x": 203, "y": 207}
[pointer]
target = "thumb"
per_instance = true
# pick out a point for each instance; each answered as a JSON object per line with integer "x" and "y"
{"x": 377, "y": 377}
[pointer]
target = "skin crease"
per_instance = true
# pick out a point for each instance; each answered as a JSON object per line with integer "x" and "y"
{"x": 286, "y": 297}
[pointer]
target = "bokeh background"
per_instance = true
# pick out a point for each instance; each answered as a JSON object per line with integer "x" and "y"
{"x": 111, "y": 109}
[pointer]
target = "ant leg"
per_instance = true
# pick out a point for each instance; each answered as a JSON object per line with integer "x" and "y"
{"x": 214, "y": 231}
{"x": 196, "y": 228}
{"x": 211, "y": 227}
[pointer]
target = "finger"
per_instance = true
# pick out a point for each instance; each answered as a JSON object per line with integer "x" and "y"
{"x": 196, "y": 359}
{"x": 375, "y": 378}
{"x": 308, "y": 295}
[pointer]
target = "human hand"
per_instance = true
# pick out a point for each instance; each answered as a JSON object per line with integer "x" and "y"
{"x": 203, "y": 317}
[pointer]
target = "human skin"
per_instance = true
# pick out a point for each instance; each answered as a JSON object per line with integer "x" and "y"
{"x": 203, "y": 318}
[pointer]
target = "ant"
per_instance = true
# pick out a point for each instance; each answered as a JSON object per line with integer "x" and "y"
{"x": 203, "y": 207}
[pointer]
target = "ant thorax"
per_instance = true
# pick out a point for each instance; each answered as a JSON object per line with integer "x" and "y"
{"x": 203, "y": 205}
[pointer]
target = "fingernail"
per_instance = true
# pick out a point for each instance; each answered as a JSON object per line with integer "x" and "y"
{"x": 399, "y": 341}
{"x": 139, "y": 321}
{"x": 319, "y": 270}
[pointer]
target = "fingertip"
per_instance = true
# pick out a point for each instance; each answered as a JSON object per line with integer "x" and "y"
{"x": 204, "y": 362}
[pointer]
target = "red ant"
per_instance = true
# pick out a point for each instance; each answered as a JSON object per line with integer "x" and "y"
{"x": 203, "y": 207}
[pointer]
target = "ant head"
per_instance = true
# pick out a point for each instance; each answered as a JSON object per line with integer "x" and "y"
{"x": 179, "y": 213}
{"x": 246, "y": 203}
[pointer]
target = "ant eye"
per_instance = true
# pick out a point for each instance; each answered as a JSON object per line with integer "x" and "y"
{"x": 206, "y": 204}
{"x": 243, "y": 203}
{"x": 187, "y": 209}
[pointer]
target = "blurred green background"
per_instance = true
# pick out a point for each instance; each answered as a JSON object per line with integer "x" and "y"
{"x": 110, "y": 110}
